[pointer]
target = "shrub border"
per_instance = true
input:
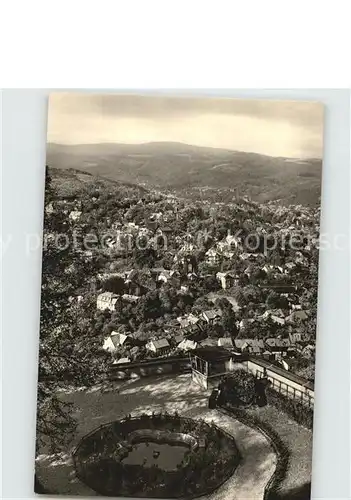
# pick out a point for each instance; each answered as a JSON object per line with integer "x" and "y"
{"x": 291, "y": 407}
{"x": 280, "y": 448}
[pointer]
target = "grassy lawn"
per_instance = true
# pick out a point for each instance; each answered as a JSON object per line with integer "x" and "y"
{"x": 299, "y": 441}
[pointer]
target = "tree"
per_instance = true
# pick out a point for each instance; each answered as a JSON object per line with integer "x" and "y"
{"x": 223, "y": 303}
{"x": 249, "y": 293}
{"x": 66, "y": 344}
{"x": 228, "y": 316}
{"x": 114, "y": 284}
{"x": 257, "y": 275}
{"x": 166, "y": 300}
{"x": 276, "y": 301}
{"x": 210, "y": 283}
{"x": 240, "y": 296}
{"x": 272, "y": 300}
{"x": 229, "y": 321}
{"x": 239, "y": 388}
{"x": 144, "y": 255}
{"x": 255, "y": 330}
{"x": 149, "y": 306}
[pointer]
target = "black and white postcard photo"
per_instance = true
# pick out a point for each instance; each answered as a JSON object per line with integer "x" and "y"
{"x": 178, "y": 317}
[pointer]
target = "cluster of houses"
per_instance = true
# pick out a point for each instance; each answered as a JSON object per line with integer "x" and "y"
{"x": 72, "y": 209}
{"x": 227, "y": 279}
{"x": 185, "y": 270}
{"x": 222, "y": 250}
{"x": 187, "y": 334}
{"x": 191, "y": 326}
{"x": 190, "y": 337}
{"x": 293, "y": 316}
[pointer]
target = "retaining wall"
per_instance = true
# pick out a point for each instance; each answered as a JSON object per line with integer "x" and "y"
{"x": 150, "y": 368}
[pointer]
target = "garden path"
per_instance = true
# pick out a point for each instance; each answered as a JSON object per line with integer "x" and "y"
{"x": 99, "y": 405}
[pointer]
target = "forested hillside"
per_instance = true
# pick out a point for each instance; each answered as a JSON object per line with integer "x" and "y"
{"x": 209, "y": 173}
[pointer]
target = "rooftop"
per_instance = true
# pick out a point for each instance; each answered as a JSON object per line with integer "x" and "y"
{"x": 214, "y": 353}
{"x": 160, "y": 343}
{"x": 213, "y": 313}
{"x": 118, "y": 338}
{"x": 121, "y": 361}
{"x": 225, "y": 342}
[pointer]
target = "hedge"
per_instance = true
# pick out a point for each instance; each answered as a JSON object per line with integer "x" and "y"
{"x": 278, "y": 445}
{"x": 298, "y": 411}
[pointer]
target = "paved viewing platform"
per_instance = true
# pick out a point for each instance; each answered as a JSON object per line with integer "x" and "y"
{"x": 99, "y": 405}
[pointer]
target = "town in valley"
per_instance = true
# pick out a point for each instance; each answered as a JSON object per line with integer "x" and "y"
{"x": 159, "y": 275}
{"x": 179, "y": 298}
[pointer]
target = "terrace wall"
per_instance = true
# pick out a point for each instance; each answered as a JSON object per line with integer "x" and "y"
{"x": 176, "y": 365}
{"x": 150, "y": 368}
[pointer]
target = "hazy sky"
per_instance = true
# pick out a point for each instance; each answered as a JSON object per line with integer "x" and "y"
{"x": 277, "y": 128}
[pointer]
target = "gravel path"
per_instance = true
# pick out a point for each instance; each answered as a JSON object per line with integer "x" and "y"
{"x": 97, "y": 406}
{"x": 256, "y": 468}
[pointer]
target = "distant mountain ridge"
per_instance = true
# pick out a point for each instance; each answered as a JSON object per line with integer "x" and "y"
{"x": 177, "y": 166}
